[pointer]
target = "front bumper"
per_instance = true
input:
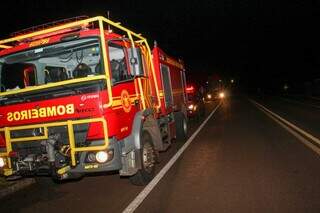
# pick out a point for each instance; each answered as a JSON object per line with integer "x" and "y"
{"x": 113, "y": 165}
{"x": 77, "y": 163}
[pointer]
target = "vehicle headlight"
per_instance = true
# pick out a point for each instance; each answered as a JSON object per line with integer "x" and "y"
{"x": 2, "y": 162}
{"x": 195, "y": 108}
{"x": 190, "y": 106}
{"x": 102, "y": 156}
{"x": 221, "y": 95}
{"x": 209, "y": 96}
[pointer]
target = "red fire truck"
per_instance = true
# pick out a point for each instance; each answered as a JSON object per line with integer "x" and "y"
{"x": 86, "y": 95}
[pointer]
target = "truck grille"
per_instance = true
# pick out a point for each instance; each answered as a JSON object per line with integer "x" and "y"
{"x": 26, "y": 148}
{"x": 27, "y": 133}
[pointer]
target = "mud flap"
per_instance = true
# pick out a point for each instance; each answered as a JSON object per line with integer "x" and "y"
{"x": 130, "y": 164}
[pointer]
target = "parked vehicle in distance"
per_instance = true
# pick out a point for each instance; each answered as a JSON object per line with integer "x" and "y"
{"x": 196, "y": 106}
{"x": 215, "y": 94}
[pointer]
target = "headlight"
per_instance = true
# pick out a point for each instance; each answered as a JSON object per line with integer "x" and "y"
{"x": 221, "y": 95}
{"x": 102, "y": 156}
{"x": 209, "y": 96}
{"x": 190, "y": 106}
{"x": 2, "y": 162}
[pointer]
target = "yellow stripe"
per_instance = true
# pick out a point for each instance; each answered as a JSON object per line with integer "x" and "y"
{"x": 117, "y": 103}
{"x": 70, "y": 25}
{"x": 5, "y": 46}
{"x": 174, "y": 92}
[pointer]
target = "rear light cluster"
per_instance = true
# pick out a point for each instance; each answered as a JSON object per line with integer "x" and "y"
{"x": 190, "y": 89}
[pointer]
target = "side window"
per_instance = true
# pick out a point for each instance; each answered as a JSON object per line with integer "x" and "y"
{"x": 166, "y": 81}
{"x": 118, "y": 63}
{"x": 17, "y": 76}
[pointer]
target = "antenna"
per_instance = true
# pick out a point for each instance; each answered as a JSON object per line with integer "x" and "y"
{"x": 108, "y": 16}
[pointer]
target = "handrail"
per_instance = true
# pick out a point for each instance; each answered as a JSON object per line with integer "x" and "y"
{"x": 5, "y": 46}
{"x": 101, "y": 20}
{"x": 48, "y": 25}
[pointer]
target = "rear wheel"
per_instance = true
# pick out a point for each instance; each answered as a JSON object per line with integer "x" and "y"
{"x": 181, "y": 126}
{"x": 147, "y": 156}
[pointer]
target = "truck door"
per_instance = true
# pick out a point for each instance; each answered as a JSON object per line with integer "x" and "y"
{"x": 123, "y": 88}
{"x": 167, "y": 87}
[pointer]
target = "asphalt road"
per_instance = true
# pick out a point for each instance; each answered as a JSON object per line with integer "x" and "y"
{"x": 241, "y": 161}
{"x": 305, "y": 114}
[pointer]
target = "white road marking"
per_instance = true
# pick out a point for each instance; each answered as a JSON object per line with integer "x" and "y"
{"x": 302, "y": 135}
{"x": 144, "y": 193}
{"x": 298, "y": 102}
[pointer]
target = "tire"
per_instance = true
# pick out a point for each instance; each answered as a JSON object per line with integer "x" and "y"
{"x": 181, "y": 126}
{"x": 147, "y": 157}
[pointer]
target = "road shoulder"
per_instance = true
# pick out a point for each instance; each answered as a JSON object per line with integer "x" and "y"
{"x": 10, "y": 187}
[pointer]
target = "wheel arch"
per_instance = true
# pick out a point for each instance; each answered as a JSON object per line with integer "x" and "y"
{"x": 143, "y": 120}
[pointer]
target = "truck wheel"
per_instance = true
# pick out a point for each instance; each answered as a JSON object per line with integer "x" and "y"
{"x": 181, "y": 126}
{"x": 148, "y": 159}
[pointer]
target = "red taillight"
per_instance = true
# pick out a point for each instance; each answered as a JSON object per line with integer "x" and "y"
{"x": 95, "y": 131}
{"x": 2, "y": 140}
{"x": 190, "y": 89}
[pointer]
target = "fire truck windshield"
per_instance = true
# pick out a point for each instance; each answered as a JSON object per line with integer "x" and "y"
{"x": 53, "y": 63}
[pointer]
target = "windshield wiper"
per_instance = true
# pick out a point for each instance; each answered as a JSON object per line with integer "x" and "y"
{"x": 65, "y": 93}
{"x": 14, "y": 98}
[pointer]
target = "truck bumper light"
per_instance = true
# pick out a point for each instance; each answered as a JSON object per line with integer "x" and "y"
{"x": 102, "y": 156}
{"x": 2, "y": 162}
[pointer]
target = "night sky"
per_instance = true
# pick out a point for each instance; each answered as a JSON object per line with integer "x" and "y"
{"x": 259, "y": 43}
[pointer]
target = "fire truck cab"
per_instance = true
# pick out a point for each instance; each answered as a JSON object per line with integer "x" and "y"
{"x": 77, "y": 97}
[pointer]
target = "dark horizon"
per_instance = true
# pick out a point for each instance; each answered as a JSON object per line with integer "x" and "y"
{"x": 261, "y": 44}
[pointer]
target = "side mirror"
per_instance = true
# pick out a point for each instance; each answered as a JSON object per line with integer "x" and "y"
{"x": 135, "y": 60}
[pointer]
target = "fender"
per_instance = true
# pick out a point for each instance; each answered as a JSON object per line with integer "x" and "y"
{"x": 142, "y": 120}
{"x": 132, "y": 144}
